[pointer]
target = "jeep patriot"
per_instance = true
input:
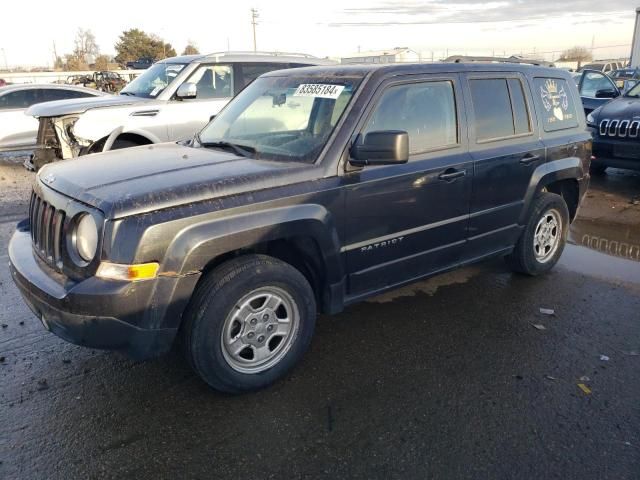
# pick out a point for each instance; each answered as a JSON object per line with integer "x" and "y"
{"x": 313, "y": 189}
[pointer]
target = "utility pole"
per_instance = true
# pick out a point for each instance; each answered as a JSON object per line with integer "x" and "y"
{"x": 254, "y": 16}
{"x": 55, "y": 55}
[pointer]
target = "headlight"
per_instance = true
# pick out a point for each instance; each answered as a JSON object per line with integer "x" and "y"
{"x": 591, "y": 120}
{"x": 85, "y": 237}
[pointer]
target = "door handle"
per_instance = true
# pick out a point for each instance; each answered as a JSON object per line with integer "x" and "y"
{"x": 451, "y": 174}
{"x": 529, "y": 159}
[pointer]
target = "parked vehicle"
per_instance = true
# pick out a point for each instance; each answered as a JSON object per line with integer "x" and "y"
{"x": 596, "y": 89}
{"x": 170, "y": 101}
{"x": 140, "y": 64}
{"x": 605, "y": 66}
{"x": 615, "y": 127}
{"x": 626, "y": 78}
{"x": 103, "y": 81}
{"x": 315, "y": 188}
{"x": 17, "y": 130}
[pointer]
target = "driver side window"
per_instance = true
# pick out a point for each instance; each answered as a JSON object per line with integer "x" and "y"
{"x": 213, "y": 81}
{"x": 426, "y": 111}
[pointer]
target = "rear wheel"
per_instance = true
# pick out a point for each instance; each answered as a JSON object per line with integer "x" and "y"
{"x": 249, "y": 322}
{"x": 544, "y": 237}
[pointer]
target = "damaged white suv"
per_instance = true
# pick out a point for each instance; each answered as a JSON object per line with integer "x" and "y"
{"x": 171, "y": 101}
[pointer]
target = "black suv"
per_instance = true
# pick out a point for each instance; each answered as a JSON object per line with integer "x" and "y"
{"x": 313, "y": 189}
{"x": 615, "y": 126}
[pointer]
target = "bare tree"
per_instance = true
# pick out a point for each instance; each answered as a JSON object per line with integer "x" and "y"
{"x": 190, "y": 49}
{"x": 576, "y": 54}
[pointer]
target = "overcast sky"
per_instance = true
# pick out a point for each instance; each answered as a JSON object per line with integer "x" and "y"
{"x": 324, "y": 28}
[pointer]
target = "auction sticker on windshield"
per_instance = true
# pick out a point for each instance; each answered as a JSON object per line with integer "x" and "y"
{"x": 318, "y": 90}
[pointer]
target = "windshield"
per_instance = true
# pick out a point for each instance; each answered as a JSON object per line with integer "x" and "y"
{"x": 634, "y": 92}
{"x": 154, "y": 80}
{"x": 282, "y": 118}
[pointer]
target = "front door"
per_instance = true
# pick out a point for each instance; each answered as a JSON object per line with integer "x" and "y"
{"x": 596, "y": 89}
{"x": 215, "y": 84}
{"x": 406, "y": 221}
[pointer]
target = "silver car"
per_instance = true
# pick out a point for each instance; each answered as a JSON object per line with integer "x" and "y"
{"x": 170, "y": 101}
{"x": 17, "y": 130}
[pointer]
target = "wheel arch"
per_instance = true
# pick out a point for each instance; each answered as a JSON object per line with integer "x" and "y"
{"x": 558, "y": 176}
{"x": 303, "y": 236}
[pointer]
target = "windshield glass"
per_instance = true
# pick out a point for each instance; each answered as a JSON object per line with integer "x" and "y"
{"x": 154, "y": 80}
{"x": 282, "y": 118}
{"x": 634, "y": 92}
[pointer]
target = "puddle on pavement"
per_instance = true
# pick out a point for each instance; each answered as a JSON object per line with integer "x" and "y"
{"x": 604, "y": 249}
{"x": 431, "y": 285}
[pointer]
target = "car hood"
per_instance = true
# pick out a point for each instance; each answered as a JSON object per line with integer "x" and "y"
{"x": 152, "y": 177}
{"x": 622, "y": 108}
{"x": 59, "y": 108}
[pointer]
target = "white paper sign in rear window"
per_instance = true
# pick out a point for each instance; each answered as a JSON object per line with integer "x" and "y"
{"x": 558, "y": 107}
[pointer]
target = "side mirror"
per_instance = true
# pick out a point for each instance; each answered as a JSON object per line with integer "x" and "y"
{"x": 606, "y": 93}
{"x": 381, "y": 148}
{"x": 187, "y": 91}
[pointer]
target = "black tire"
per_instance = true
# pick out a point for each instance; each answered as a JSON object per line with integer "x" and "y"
{"x": 118, "y": 144}
{"x": 597, "y": 169}
{"x": 523, "y": 258}
{"x": 217, "y": 296}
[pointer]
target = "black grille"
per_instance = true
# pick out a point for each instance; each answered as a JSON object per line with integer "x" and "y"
{"x": 46, "y": 230}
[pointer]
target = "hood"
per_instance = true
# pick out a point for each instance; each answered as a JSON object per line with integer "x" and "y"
{"x": 143, "y": 179}
{"x": 621, "y": 108}
{"x": 59, "y": 108}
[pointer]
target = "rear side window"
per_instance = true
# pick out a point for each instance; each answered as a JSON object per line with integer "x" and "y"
{"x": 251, "y": 71}
{"x": 426, "y": 111}
{"x": 500, "y": 108}
{"x": 558, "y": 107}
{"x": 19, "y": 99}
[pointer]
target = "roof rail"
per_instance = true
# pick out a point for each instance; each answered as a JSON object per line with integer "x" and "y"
{"x": 251, "y": 52}
{"x": 513, "y": 59}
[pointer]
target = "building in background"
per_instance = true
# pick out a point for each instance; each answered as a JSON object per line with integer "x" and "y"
{"x": 394, "y": 55}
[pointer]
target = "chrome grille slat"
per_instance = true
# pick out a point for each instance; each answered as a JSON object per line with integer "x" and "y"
{"x": 604, "y": 125}
{"x": 619, "y": 128}
{"x": 622, "y": 131}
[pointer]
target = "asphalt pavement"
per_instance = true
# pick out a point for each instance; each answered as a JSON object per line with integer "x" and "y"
{"x": 458, "y": 377}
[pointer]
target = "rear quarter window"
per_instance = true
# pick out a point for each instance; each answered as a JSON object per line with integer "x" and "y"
{"x": 557, "y": 104}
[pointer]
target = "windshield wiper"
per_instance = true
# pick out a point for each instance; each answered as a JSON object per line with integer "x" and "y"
{"x": 243, "y": 150}
{"x": 128, "y": 93}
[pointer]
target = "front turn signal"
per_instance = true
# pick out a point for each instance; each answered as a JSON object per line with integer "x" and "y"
{"x": 131, "y": 273}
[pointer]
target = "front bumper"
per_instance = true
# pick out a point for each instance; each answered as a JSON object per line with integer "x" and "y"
{"x": 614, "y": 152}
{"x": 93, "y": 313}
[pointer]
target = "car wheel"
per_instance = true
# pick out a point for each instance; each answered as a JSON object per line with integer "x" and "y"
{"x": 544, "y": 237}
{"x": 248, "y": 323}
{"x": 597, "y": 169}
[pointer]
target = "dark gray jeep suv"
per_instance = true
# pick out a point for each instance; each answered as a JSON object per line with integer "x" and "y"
{"x": 313, "y": 189}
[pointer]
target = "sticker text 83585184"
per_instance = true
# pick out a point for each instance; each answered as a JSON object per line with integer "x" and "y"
{"x": 318, "y": 90}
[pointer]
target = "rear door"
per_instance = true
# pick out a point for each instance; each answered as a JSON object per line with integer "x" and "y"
{"x": 506, "y": 148}
{"x": 405, "y": 221}
{"x": 18, "y": 130}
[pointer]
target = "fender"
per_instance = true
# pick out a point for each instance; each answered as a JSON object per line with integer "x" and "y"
{"x": 547, "y": 173}
{"x": 195, "y": 246}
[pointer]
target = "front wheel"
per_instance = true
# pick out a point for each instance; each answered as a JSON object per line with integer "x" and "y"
{"x": 249, "y": 322}
{"x": 544, "y": 237}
